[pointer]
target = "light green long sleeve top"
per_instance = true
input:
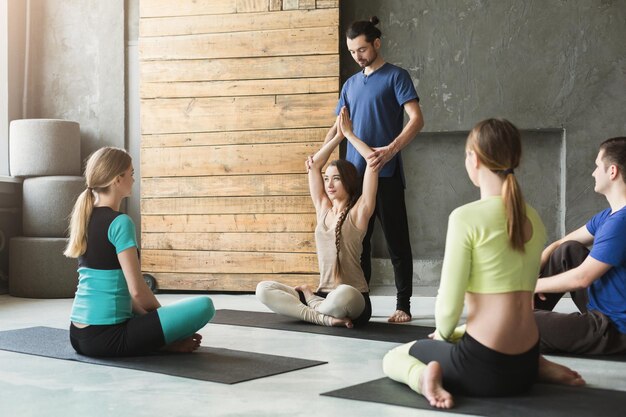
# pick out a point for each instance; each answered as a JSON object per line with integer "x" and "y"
{"x": 478, "y": 258}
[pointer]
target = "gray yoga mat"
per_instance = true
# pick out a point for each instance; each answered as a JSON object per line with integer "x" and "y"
{"x": 544, "y": 400}
{"x": 208, "y": 364}
{"x": 386, "y": 332}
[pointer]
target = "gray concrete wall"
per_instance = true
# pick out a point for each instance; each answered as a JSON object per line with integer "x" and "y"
{"x": 77, "y": 67}
{"x": 13, "y": 13}
{"x": 4, "y": 83}
{"x": 556, "y": 69}
{"x": 83, "y": 66}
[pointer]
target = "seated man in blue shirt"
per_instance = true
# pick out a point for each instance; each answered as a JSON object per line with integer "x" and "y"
{"x": 596, "y": 279}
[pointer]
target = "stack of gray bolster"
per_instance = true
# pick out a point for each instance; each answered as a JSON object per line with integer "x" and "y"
{"x": 46, "y": 153}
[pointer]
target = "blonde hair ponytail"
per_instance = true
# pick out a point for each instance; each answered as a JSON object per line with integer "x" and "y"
{"x": 101, "y": 170}
{"x": 79, "y": 220}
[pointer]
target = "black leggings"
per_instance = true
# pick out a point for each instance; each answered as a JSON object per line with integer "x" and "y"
{"x": 473, "y": 369}
{"x": 139, "y": 335}
{"x": 391, "y": 212}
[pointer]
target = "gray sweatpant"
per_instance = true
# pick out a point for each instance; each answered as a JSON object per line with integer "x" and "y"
{"x": 587, "y": 332}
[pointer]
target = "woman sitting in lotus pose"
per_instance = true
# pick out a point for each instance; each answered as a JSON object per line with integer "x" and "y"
{"x": 342, "y": 297}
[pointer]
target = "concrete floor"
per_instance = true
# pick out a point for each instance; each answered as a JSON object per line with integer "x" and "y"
{"x": 37, "y": 386}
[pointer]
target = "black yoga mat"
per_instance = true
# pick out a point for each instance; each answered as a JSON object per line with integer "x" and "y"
{"x": 543, "y": 400}
{"x": 207, "y": 364}
{"x": 385, "y": 332}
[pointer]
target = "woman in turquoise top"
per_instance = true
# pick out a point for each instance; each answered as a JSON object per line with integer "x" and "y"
{"x": 114, "y": 312}
{"x": 491, "y": 264}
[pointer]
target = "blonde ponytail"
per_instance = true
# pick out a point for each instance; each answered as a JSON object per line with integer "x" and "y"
{"x": 101, "y": 170}
{"x": 79, "y": 220}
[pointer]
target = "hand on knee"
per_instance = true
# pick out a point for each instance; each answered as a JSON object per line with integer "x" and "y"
{"x": 344, "y": 301}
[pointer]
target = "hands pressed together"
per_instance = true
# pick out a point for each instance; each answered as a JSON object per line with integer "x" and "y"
{"x": 376, "y": 160}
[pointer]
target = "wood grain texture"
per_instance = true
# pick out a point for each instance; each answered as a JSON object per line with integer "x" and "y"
{"x": 234, "y": 137}
{"x": 276, "y": 5}
{"x": 227, "y": 282}
{"x": 326, "y": 4}
{"x": 226, "y": 160}
{"x": 239, "y": 88}
{"x": 249, "y": 6}
{"x": 228, "y": 262}
{"x": 283, "y": 42}
{"x": 259, "y": 68}
{"x": 238, "y": 22}
{"x": 227, "y": 205}
{"x": 159, "y": 8}
{"x": 235, "y": 94}
{"x": 226, "y": 223}
{"x": 237, "y": 113}
{"x": 234, "y": 242}
{"x": 225, "y": 186}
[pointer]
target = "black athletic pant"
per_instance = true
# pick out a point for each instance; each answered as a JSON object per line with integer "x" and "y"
{"x": 137, "y": 336}
{"x": 473, "y": 369}
{"x": 391, "y": 212}
{"x": 586, "y": 332}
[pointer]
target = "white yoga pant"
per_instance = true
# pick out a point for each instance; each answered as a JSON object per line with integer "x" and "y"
{"x": 344, "y": 301}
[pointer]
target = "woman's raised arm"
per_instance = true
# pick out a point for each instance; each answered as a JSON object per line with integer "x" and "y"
{"x": 314, "y": 165}
{"x": 364, "y": 207}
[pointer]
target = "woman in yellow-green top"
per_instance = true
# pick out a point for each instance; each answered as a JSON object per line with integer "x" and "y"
{"x": 491, "y": 263}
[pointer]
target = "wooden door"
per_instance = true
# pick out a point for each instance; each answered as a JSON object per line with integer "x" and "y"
{"x": 234, "y": 95}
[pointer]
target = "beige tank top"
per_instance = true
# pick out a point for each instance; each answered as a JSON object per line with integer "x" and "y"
{"x": 351, "y": 246}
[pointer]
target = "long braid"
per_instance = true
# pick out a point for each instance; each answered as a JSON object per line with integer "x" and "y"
{"x": 350, "y": 180}
{"x": 338, "y": 226}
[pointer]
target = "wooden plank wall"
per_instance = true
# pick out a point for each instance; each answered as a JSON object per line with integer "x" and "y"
{"x": 234, "y": 95}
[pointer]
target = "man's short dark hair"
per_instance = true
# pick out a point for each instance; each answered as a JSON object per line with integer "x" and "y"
{"x": 365, "y": 27}
{"x": 615, "y": 153}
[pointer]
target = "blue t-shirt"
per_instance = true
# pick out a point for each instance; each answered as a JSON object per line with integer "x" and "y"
{"x": 102, "y": 296}
{"x": 375, "y": 103}
{"x": 608, "y": 293}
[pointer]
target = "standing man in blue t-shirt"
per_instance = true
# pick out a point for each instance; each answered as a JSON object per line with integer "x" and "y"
{"x": 377, "y": 98}
{"x": 597, "y": 278}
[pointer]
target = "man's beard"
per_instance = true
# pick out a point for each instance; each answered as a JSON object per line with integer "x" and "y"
{"x": 369, "y": 62}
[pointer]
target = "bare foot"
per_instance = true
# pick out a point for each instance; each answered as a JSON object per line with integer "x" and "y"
{"x": 554, "y": 373}
{"x": 187, "y": 345}
{"x": 399, "y": 316}
{"x": 306, "y": 290}
{"x": 432, "y": 388}
{"x": 335, "y": 322}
